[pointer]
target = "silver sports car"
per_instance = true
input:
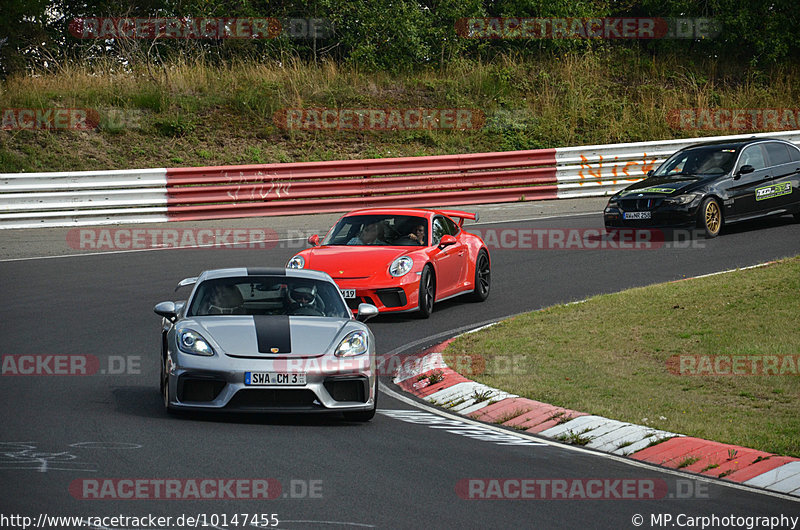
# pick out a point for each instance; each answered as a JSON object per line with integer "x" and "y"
{"x": 267, "y": 340}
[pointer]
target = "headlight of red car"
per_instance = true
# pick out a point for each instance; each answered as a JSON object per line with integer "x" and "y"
{"x": 297, "y": 262}
{"x": 401, "y": 266}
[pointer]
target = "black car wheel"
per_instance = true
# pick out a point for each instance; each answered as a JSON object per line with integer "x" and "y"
{"x": 483, "y": 277}
{"x": 364, "y": 415}
{"x": 709, "y": 217}
{"x": 427, "y": 292}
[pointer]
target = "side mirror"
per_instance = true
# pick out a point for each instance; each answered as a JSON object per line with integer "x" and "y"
{"x": 744, "y": 170}
{"x": 365, "y": 312}
{"x": 446, "y": 241}
{"x": 313, "y": 240}
{"x": 166, "y": 310}
{"x": 650, "y": 173}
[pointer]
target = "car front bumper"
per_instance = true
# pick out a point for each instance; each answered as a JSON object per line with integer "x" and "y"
{"x": 394, "y": 296}
{"x": 664, "y": 216}
{"x": 217, "y": 383}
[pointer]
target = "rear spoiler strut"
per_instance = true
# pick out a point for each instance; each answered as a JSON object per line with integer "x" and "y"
{"x": 461, "y": 215}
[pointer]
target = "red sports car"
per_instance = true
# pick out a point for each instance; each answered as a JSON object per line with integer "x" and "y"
{"x": 401, "y": 259}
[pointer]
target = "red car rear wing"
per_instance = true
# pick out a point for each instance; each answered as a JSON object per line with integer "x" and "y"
{"x": 460, "y": 215}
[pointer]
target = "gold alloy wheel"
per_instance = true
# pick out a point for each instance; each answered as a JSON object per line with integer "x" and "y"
{"x": 713, "y": 217}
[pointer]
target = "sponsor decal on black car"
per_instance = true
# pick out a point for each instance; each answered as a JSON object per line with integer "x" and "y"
{"x": 774, "y": 190}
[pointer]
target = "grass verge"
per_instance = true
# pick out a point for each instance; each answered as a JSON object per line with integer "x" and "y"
{"x": 191, "y": 113}
{"x": 611, "y": 356}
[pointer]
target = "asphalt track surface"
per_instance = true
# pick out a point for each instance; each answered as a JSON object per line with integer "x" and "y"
{"x": 388, "y": 473}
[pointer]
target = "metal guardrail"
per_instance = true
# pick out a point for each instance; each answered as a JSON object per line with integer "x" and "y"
{"x": 157, "y": 195}
{"x": 82, "y": 198}
{"x": 318, "y": 187}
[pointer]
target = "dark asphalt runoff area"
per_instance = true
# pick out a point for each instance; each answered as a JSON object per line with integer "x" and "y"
{"x": 60, "y": 433}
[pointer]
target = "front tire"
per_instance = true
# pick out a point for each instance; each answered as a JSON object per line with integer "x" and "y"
{"x": 166, "y": 397}
{"x": 427, "y": 292}
{"x": 709, "y": 218}
{"x": 483, "y": 277}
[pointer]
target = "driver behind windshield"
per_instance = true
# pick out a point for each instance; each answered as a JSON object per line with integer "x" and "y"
{"x": 700, "y": 162}
{"x": 417, "y": 235}
{"x": 303, "y": 300}
{"x": 371, "y": 234}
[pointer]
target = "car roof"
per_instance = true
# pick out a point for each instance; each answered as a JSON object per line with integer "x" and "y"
{"x": 735, "y": 144}
{"x": 263, "y": 271}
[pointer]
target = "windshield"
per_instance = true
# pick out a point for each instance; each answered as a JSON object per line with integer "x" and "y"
{"x": 393, "y": 230}
{"x": 268, "y": 295}
{"x": 699, "y": 161}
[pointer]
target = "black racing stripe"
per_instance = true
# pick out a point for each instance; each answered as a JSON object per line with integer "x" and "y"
{"x": 273, "y": 331}
{"x": 265, "y": 271}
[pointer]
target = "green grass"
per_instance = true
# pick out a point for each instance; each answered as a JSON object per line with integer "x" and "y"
{"x": 573, "y": 438}
{"x": 511, "y": 415}
{"x": 435, "y": 377}
{"x": 688, "y": 461}
{"x": 609, "y": 356}
{"x": 217, "y": 115}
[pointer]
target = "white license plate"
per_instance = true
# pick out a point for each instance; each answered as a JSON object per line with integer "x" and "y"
{"x": 348, "y": 293}
{"x": 274, "y": 379}
{"x": 637, "y": 215}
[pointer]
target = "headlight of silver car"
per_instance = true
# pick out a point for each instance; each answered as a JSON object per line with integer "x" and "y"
{"x": 355, "y": 343}
{"x": 297, "y": 262}
{"x": 192, "y": 342}
{"x": 680, "y": 200}
{"x": 401, "y": 266}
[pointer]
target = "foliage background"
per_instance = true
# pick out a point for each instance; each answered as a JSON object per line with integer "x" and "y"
{"x": 182, "y": 102}
{"x": 388, "y": 35}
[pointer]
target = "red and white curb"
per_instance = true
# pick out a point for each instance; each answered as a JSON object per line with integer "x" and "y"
{"x": 430, "y": 379}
